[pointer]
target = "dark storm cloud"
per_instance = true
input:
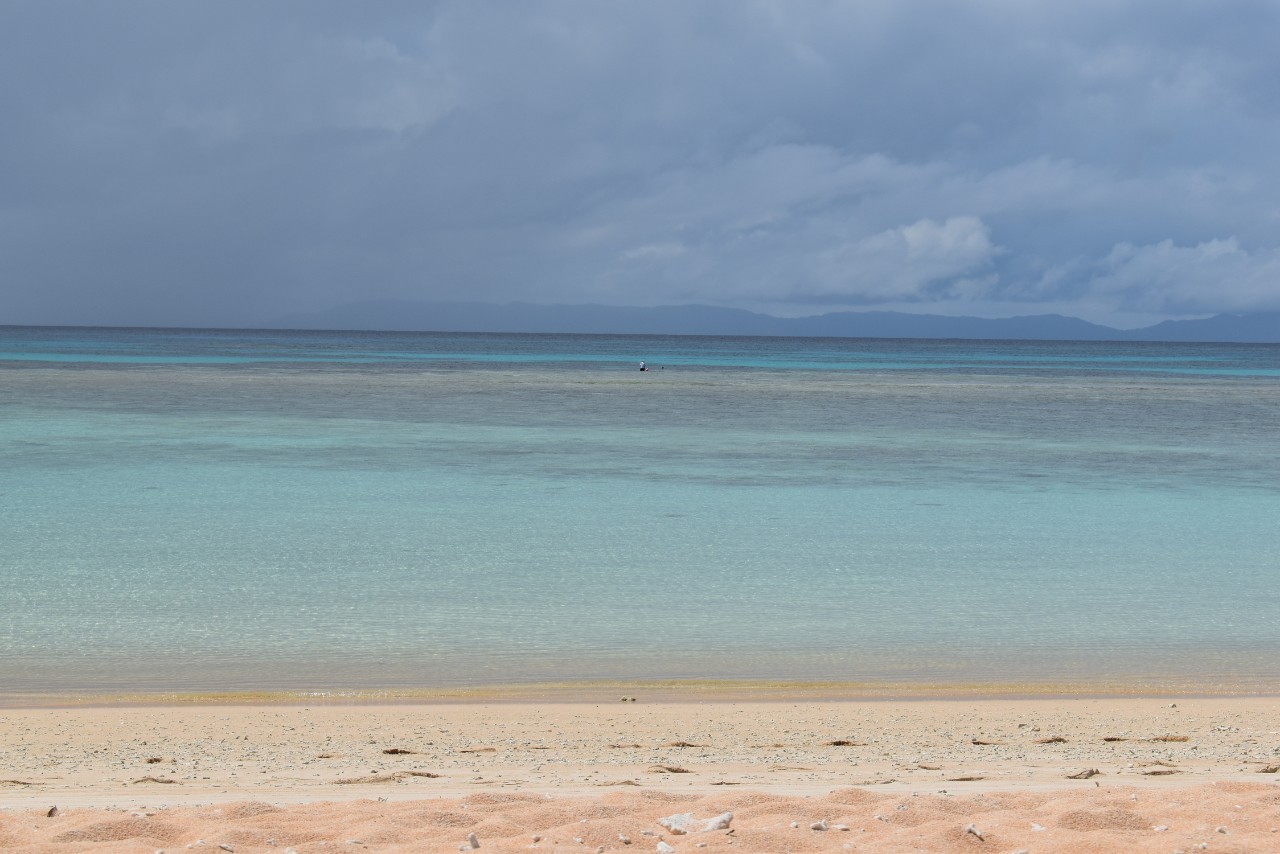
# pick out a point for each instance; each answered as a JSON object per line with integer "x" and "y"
{"x": 226, "y": 162}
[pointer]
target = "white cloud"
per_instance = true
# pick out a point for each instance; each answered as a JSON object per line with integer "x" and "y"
{"x": 1213, "y": 276}
{"x": 917, "y": 261}
{"x": 655, "y": 252}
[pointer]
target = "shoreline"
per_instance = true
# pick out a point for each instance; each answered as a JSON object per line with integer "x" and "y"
{"x": 661, "y": 691}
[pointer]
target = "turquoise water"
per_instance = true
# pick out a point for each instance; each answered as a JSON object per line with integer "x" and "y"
{"x": 210, "y": 510}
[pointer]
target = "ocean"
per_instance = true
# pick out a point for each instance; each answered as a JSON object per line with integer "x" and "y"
{"x": 220, "y": 510}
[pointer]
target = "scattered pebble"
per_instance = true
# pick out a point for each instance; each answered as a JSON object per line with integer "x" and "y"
{"x": 682, "y": 823}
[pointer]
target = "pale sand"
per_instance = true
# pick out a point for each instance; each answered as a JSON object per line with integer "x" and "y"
{"x": 903, "y": 776}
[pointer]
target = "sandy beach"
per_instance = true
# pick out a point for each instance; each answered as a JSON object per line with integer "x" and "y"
{"x": 1106, "y": 774}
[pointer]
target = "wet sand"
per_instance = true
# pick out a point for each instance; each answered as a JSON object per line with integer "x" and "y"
{"x": 1101, "y": 774}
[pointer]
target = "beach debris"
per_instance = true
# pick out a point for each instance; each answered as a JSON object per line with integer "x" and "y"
{"x": 397, "y": 751}
{"x": 1114, "y": 738}
{"x": 973, "y": 829}
{"x": 1037, "y": 827}
{"x": 53, "y": 811}
{"x": 154, "y": 760}
{"x": 626, "y": 699}
{"x": 964, "y": 779}
{"x": 623, "y": 746}
{"x": 1160, "y": 772}
{"x": 1221, "y": 829}
{"x": 473, "y": 840}
{"x": 1160, "y": 828}
{"x": 664, "y": 848}
{"x": 225, "y": 847}
{"x": 393, "y": 777}
{"x": 154, "y": 780}
{"x": 843, "y": 742}
{"x": 1085, "y": 774}
{"x": 1053, "y": 739}
{"x": 922, "y": 767}
{"x": 15, "y": 783}
{"x": 682, "y": 823}
{"x": 684, "y": 744}
{"x": 1269, "y": 769}
{"x": 795, "y": 824}
{"x": 624, "y": 839}
{"x": 982, "y": 743}
{"x": 1171, "y": 738}
{"x": 819, "y": 825}
{"x": 668, "y": 769}
{"x": 478, "y": 750}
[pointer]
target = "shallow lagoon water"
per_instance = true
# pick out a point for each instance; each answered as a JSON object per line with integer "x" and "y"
{"x": 226, "y": 510}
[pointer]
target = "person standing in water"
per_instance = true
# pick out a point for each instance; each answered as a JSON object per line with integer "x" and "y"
{"x": 642, "y": 367}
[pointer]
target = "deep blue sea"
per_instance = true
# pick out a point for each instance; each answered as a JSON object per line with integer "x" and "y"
{"x": 226, "y": 510}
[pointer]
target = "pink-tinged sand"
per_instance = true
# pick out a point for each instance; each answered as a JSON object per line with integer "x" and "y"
{"x": 1167, "y": 774}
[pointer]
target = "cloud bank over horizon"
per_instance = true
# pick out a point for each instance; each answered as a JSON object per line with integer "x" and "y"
{"x": 220, "y": 163}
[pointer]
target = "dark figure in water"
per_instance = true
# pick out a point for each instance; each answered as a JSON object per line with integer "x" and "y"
{"x": 643, "y": 367}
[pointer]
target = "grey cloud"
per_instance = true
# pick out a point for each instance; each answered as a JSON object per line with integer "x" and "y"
{"x": 224, "y": 162}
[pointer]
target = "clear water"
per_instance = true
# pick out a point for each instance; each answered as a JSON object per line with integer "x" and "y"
{"x": 210, "y": 510}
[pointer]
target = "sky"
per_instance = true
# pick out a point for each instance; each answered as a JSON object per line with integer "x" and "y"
{"x": 222, "y": 163}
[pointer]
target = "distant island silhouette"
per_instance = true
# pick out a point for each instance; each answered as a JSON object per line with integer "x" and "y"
{"x": 414, "y": 316}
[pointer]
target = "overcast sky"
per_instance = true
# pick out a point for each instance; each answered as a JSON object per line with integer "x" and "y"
{"x": 196, "y": 163}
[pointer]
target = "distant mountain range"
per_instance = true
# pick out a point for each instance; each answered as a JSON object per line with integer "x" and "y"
{"x": 411, "y": 316}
